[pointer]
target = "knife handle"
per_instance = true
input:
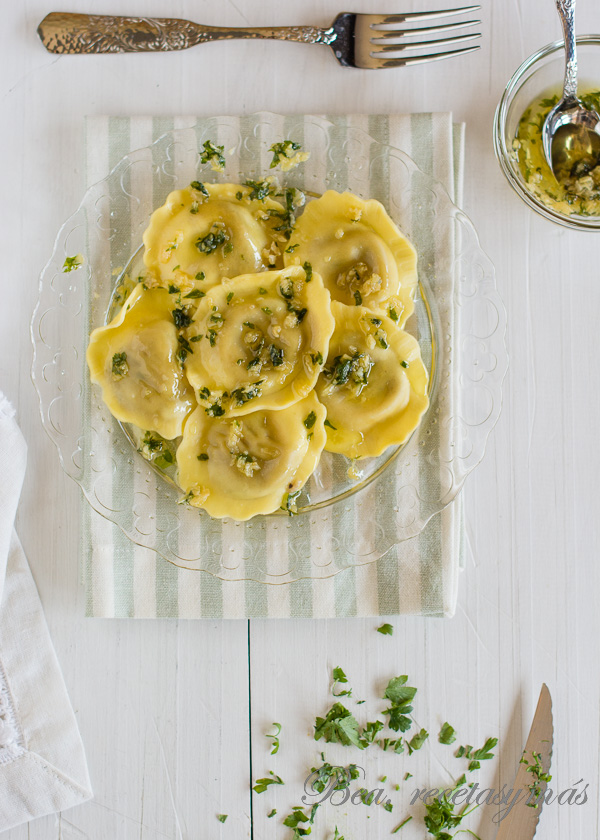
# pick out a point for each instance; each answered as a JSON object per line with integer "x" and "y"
{"x": 69, "y": 33}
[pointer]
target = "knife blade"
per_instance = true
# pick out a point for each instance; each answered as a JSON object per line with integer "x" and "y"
{"x": 521, "y": 821}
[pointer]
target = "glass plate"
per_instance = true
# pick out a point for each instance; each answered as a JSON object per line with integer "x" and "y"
{"x": 459, "y": 321}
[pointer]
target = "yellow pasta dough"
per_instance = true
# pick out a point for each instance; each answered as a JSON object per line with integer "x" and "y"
{"x": 135, "y": 361}
{"x": 362, "y": 256}
{"x": 259, "y": 341}
{"x": 209, "y": 231}
{"x": 243, "y": 466}
{"x": 374, "y": 385}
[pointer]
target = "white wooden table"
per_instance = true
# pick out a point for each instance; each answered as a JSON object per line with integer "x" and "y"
{"x": 173, "y": 713}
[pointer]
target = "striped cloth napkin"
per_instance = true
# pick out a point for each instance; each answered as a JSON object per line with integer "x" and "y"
{"x": 418, "y": 576}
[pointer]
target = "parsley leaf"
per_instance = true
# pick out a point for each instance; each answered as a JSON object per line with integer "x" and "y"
{"x": 222, "y": 817}
{"x": 339, "y": 726}
{"x": 417, "y": 741}
{"x": 386, "y": 630}
{"x": 309, "y": 422}
{"x": 401, "y": 696}
{"x": 446, "y": 734}
{"x": 262, "y": 784}
{"x": 338, "y": 674}
{"x": 275, "y": 738}
{"x": 308, "y": 270}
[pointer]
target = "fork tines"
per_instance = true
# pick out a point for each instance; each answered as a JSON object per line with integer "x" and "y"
{"x": 376, "y": 40}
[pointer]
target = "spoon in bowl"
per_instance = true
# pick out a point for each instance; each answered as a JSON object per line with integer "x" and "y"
{"x": 571, "y": 132}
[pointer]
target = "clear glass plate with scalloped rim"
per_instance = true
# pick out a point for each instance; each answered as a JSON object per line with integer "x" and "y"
{"x": 346, "y": 517}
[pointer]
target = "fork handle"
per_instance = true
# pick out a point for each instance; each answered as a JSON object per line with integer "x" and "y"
{"x": 67, "y": 33}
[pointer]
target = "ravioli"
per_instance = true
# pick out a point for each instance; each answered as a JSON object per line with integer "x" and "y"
{"x": 259, "y": 341}
{"x": 135, "y": 361}
{"x": 374, "y": 384}
{"x": 209, "y": 231}
{"x": 244, "y": 466}
{"x": 358, "y": 250}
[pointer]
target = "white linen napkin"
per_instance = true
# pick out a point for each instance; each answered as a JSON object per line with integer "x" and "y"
{"x": 42, "y": 762}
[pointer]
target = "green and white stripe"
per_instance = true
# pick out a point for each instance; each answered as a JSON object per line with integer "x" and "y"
{"x": 417, "y": 576}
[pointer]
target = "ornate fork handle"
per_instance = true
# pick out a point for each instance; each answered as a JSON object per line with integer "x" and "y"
{"x": 63, "y": 32}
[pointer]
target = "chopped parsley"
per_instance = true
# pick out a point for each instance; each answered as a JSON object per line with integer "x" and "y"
{"x": 262, "y": 290}
{"x": 229, "y": 298}
{"x": 440, "y": 816}
{"x": 282, "y": 150}
{"x": 354, "y": 369}
{"x": 276, "y": 355}
{"x": 386, "y": 630}
{"x": 259, "y": 190}
{"x": 309, "y": 422}
{"x": 200, "y": 276}
{"x": 215, "y": 410}
{"x": 199, "y": 186}
{"x": 202, "y": 456}
{"x": 222, "y": 817}
{"x": 72, "y": 263}
{"x": 213, "y": 154}
{"x": 289, "y": 503}
{"x": 249, "y": 324}
{"x": 174, "y": 290}
{"x": 245, "y": 394}
{"x": 402, "y": 824}
{"x": 183, "y": 350}
{"x": 316, "y": 358}
{"x": 291, "y": 248}
{"x": 331, "y": 426}
{"x": 195, "y": 293}
{"x": 393, "y": 314}
{"x": 308, "y": 271}
{"x": 299, "y": 313}
{"x": 209, "y": 243}
{"x": 404, "y": 363}
{"x": 275, "y": 738}
{"x": 539, "y": 777}
{"x": 182, "y": 318}
{"x": 293, "y": 198}
{"x": 357, "y": 298}
{"x": 272, "y": 813}
{"x": 294, "y": 819}
{"x": 120, "y": 368}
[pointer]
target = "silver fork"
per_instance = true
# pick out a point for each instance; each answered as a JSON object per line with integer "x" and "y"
{"x": 357, "y": 40}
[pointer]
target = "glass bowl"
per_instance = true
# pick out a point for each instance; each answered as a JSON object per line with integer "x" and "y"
{"x": 541, "y": 72}
{"x": 459, "y": 320}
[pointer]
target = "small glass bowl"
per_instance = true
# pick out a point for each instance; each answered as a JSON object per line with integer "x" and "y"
{"x": 541, "y": 71}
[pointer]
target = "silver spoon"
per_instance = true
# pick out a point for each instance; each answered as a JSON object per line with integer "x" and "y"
{"x": 571, "y": 132}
